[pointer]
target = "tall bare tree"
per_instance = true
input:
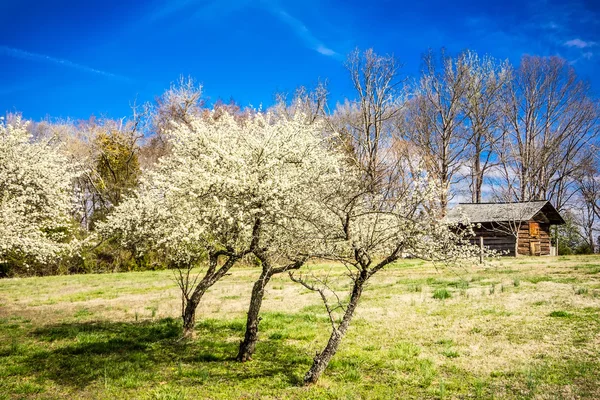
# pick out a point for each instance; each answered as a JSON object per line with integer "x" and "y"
{"x": 482, "y": 104}
{"x": 312, "y": 103}
{"x": 550, "y": 120}
{"x": 588, "y": 183}
{"x": 436, "y": 118}
{"x": 178, "y": 105}
{"x": 366, "y": 124}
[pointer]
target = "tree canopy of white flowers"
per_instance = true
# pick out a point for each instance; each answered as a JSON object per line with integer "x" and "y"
{"x": 36, "y": 198}
{"x": 231, "y": 186}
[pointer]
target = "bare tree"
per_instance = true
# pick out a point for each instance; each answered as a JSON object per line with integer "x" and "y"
{"x": 367, "y": 123}
{"x": 588, "y": 184}
{"x": 482, "y": 104}
{"x": 179, "y": 104}
{"x": 436, "y": 116}
{"x": 312, "y": 103}
{"x": 549, "y": 119}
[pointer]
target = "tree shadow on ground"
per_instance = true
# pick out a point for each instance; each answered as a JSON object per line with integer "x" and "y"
{"x": 79, "y": 354}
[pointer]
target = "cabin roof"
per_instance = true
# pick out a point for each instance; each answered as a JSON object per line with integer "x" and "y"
{"x": 540, "y": 211}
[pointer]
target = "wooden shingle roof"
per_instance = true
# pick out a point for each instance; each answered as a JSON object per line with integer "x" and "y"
{"x": 540, "y": 211}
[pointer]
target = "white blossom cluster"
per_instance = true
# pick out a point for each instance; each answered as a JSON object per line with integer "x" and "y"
{"x": 224, "y": 175}
{"x": 36, "y": 197}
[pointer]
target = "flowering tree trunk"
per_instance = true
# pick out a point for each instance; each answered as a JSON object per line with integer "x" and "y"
{"x": 322, "y": 359}
{"x": 189, "y": 313}
{"x": 248, "y": 345}
{"x": 191, "y": 295}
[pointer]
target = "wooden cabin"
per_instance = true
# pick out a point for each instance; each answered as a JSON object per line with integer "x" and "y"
{"x": 506, "y": 227}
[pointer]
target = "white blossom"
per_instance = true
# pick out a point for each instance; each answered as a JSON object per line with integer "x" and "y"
{"x": 222, "y": 176}
{"x": 36, "y": 197}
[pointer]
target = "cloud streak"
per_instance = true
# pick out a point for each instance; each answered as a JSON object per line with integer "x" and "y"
{"x": 168, "y": 9}
{"x": 209, "y": 9}
{"x": 580, "y": 44}
{"x": 303, "y": 33}
{"x": 27, "y": 55}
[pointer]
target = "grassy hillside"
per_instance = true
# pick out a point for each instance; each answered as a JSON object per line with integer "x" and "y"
{"x": 524, "y": 328}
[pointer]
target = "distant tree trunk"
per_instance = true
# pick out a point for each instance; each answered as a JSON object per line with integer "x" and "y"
{"x": 445, "y": 181}
{"x": 517, "y": 245}
{"x": 444, "y": 199}
{"x": 322, "y": 359}
{"x": 591, "y": 242}
{"x": 477, "y": 173}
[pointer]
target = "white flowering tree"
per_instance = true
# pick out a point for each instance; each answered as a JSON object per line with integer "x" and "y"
{"x": 36, "y": 199}
{"x": 367, "y": 227}
{"x": 178, "y": 212}
{"x": 290, "y": 169}
{"x": 231, "y": 186}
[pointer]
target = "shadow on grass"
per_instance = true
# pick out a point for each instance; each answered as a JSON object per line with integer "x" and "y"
{"x": 130, "y": 354}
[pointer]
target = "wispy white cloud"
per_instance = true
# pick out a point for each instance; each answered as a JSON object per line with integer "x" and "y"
{"x": 546, "y": 28}
{"x": 326, "y": 51}
{"x": 27, "y": 55}
{"x": 300, "y": 29}
{"x": 580, "y": 44}
{"x": 208, "y": 9}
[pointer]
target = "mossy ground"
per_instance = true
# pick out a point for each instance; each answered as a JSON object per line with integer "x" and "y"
{"x": 521, "y": 328}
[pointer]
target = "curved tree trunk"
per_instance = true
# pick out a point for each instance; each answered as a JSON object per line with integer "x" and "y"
{"x": 248, "y": 345}
{"x": 189, "y": 315}
{"x": 213, "y": 274}
{"x": 322, "y": 359}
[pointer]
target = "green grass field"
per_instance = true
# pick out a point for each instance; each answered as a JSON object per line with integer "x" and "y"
{"x": 520, "y": 328}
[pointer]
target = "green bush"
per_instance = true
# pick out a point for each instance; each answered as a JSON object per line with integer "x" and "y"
{"x": 581, "y": 290}
{"x": 559, "y": 314}
{"x": 441, "y": 294}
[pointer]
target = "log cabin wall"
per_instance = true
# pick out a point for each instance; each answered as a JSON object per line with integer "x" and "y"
{"x": 534, "y": 239}
{"x": 495, "y": 223}
{"x": 495, "y": 239}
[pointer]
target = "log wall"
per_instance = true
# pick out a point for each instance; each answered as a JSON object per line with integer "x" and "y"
{"x": 496, "y": 238}
{"x": 540, "y": 241}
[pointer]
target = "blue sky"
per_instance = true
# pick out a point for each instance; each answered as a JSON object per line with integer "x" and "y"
{"x": 78, "y": 58}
